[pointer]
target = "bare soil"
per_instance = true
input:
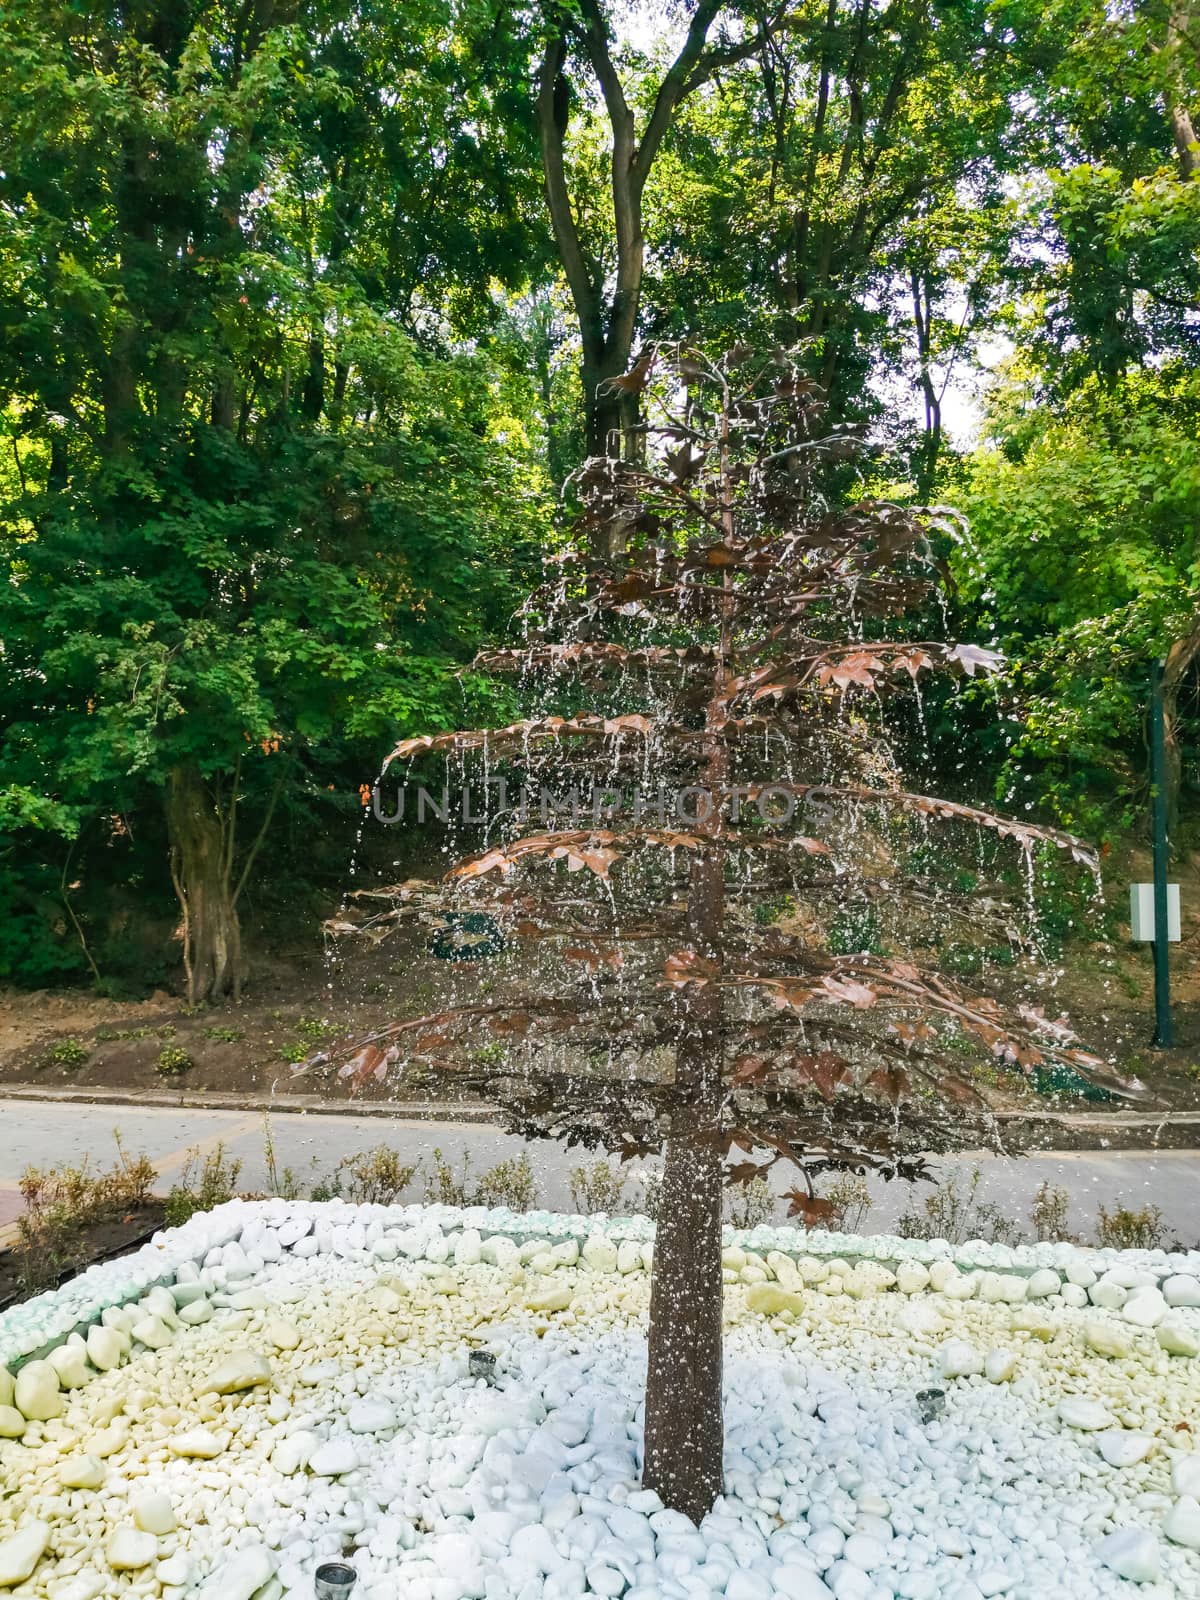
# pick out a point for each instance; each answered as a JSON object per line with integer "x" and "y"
{"x": 291, "y": 1010}
{"x": 97, "y": 1241}
{"x": 301, "y": 1002}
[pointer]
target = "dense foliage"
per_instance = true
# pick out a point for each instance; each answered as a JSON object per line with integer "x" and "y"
{"x": 252, "y": 515}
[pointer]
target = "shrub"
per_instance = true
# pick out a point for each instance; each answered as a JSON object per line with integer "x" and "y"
{"x": 598, "y": 1187}
{"x": 69, "y": 1053}
{"x": 508, "y": 1183}
{"x": 283, "y": 1185}
{"x": 61, "y": 1203}
{"x": 747, "y": 1205}
{"x": 1049, "y": 1213}
{"x": 954, "y": 1212}
{"x": 173, "y": 1061}
{"x": 205, "y": 1181}
{"x": 850, "y": 1197}
{"x": 370, "y": 1177}
{"x": 1123, "y": 1228}
{"x": 651, "y": 1181}
{"x": 856, "y": 932}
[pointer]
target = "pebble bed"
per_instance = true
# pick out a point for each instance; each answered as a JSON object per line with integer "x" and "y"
{"x": 275, "y": 1385}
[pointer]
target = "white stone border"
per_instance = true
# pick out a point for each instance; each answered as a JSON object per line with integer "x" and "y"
{"x": 36, "y": 1325}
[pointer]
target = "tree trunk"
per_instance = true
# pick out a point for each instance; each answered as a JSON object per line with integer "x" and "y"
{"x": 201, "y": 869}
{"x": 685, "y": 1429}
{"x": 601, "y": 415}
{"x": 611, "y": 416}
{"x": 685, "y": 1432}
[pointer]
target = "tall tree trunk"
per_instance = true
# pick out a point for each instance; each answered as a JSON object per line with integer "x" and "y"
{"x": 201, "y": 868}
{"x": 685, "y": 1432}
{"x": 1181, "y": 45}
{"x": 685, "y": 1426}
{"x": 608, "y": 317}
{"x": 611, "y": 416}
{"x": 120, "y": 386}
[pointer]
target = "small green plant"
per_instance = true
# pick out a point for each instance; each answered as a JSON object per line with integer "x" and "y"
{"x": 167, "y": 1031}
{"x": 173, "y": 1061}
{"x": 206, "y": 1181}
{"x": 69, "y": 1053}
{"x": 773, "y": 909}
{"x": 488, "y": 1055}
{"x": 967, "y": 960}
{"x": 954, "y": 1211}
{"x": 1049, "y": 1212}
{"x": 284, "y": 1185}
{"x": 370, "y": 1177}
{"x": 314, "y": 1028}
{"x": 599, "y": 1187}
{"x": 850, "y": 1197}
{"x": 856, "y": 932}
{"x": 1124, "y": 1228}
{"x": 509, "y": 1183}
{"x": 749, "y": 1205}
{"x": 224, "y": 1035}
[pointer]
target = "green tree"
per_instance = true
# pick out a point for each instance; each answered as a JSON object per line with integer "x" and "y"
{"x": 602, "y": 245}
{"x": 1084, "y": 519}
{"x": 848, "y": 188}
{"x": 250, "y": 516}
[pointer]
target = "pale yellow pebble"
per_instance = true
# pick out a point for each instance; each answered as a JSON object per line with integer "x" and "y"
{"x": 768, "y": 1299}
{"x": 12, "y": 1423}
{"x": 282, "y": 1334}
{"x": 154, "y": 1513}
{"x": 82, "y": 1472}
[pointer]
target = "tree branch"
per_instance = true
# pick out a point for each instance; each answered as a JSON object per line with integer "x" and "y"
{"x": 551, "y": 120}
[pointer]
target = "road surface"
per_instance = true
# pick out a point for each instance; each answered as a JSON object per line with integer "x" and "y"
{"x": 44, "y": 1134}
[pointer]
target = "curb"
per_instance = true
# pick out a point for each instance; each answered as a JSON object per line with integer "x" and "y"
{"x": 1038, "y": 1132}
{"x": 287, "y": 1104}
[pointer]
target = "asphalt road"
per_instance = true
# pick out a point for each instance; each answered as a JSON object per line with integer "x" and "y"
{"x": 45, "y": 1134}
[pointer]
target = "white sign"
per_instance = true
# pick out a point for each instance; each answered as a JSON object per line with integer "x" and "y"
{"x": 1141, "y": 911}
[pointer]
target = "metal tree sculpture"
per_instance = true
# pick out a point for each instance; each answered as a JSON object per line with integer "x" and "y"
{"x": 715, "y": 695}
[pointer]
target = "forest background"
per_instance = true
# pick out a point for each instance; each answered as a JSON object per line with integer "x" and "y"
{"x": 310, "y": 309}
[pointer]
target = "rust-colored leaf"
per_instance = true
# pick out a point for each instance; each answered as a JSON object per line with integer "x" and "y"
{"x": 793, "y": 996}
{"x": 687, "y": 966}
{"x": 636, "y": 379}
{"x": 633, "y": 723}
{"x": 859, "y": 995}
{"x": 746, "y": 1068}
{"x": 511, "y": 1022}
{"x": 369, "y": 1062}
{"x": 891, "y": 1082}
{"x": 811, "y": 1207}
{"x": 825, "y": 1070}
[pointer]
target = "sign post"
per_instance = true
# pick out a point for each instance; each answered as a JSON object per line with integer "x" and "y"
{"x": 1158, "y": 822}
